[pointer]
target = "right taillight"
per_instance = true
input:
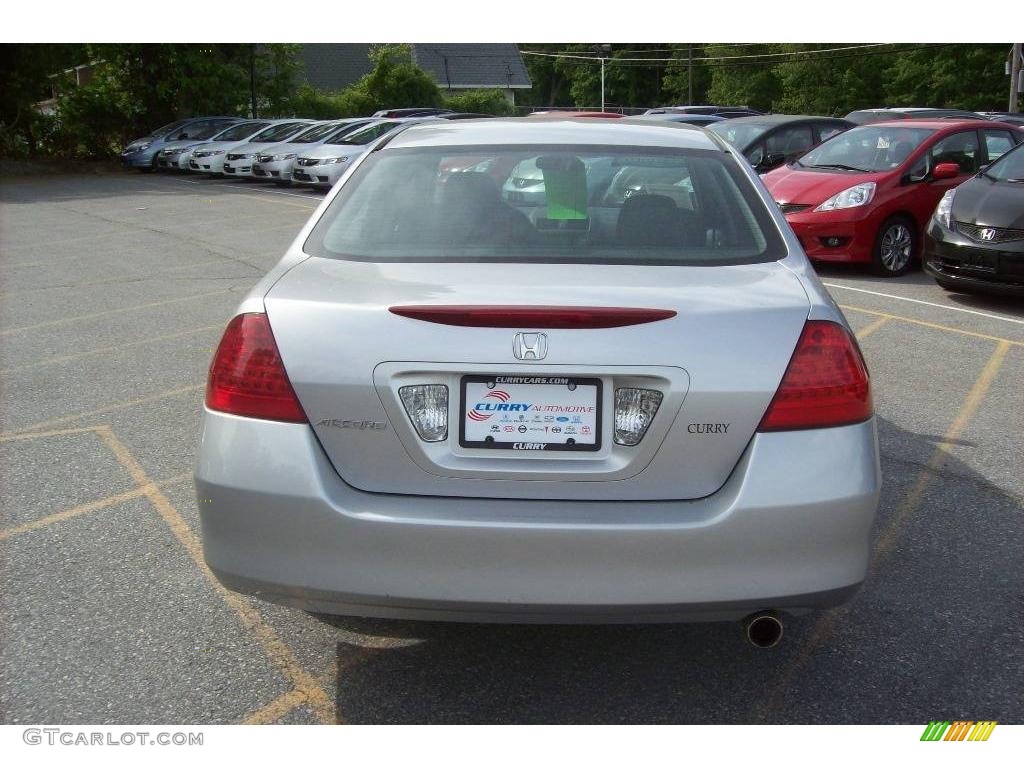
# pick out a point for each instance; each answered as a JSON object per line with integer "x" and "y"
{"x": 825, "y": 385}
{"x": 247, "y": 375}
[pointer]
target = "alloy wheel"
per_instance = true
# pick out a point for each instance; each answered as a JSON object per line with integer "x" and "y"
{"x": 896, "y": 247}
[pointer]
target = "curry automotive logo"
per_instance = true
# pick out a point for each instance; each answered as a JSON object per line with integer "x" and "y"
{"x": 958, "y": 730}
{"x": 479, "y": 412}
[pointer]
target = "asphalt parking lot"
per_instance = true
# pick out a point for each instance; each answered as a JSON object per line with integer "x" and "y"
{"x": 114, "y": 290}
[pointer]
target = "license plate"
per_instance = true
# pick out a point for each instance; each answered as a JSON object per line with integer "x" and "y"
{"x": 530, "y": 413}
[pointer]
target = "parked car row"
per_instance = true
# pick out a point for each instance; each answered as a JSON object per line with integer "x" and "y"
{"x": 286, "y": 151}
{"x": 862, "y": 193}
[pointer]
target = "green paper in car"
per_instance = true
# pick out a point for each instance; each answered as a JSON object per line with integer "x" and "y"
{"x": 565, "y": 186}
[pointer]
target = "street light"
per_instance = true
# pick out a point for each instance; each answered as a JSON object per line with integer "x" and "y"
{"x": 601, "y": 51}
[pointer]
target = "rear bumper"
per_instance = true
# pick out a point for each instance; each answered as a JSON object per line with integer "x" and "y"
{"x": 790, "y": 529}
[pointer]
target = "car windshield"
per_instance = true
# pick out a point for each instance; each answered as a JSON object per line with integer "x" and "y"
{"x": 208, "y": 132}
{"x": 315, "y": 133}
{"x": 868, "y": 148}
{"x": 740, "y": 135}
{"x": 239, "y": 132}
{"x": 165, "y": 129}
{"x": 1009, "y": 167}
{"x": 277, "y": 132}
{"x": 539, "y": 203}
{"x": 364, "y": 136}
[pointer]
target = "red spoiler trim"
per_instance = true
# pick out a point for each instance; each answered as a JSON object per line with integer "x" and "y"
{"x": 498, "y": 316}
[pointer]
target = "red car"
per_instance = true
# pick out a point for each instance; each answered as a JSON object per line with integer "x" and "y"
{"x": 866, "y": 195}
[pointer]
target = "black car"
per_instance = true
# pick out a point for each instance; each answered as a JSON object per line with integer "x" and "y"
{"x": 865, "y": 116}
{"x": 768, "y": 141}
{"x": 975, "y": 240}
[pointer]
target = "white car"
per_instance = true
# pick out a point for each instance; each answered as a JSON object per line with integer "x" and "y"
{"x": 239, "y": 159}
{"x": 325, "y": 164}
{"x": 275, "y": 163}
{"x": 210, "y": 157}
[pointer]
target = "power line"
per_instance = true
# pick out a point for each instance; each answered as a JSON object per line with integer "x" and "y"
{"x": 705, "y": 58}
{"x": 712, "y": 62}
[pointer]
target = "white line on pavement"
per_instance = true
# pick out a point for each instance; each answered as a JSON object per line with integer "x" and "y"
{"x": 929, "y": 303}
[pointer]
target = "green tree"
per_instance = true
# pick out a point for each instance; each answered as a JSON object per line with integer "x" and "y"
{"x": 743, "y": 81}
{"x": 395, "y": 81}
{"x": 960, "y": 76}
{"x": 488, "y": 101}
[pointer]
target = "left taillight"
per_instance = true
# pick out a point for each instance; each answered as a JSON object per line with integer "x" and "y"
{"x": 247, "y": 375}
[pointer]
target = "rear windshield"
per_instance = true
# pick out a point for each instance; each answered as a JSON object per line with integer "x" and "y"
{"x": 740, "y": 135}
{"x": 867, "y": 148}
{"x": 615, "y": 205}
{"x": 239, "y": 132}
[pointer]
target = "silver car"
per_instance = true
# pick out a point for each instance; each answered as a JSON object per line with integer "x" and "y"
{"x": 239, "y": 159}
{"x": 209, "y": 158}
{"x": 323, "y": 165}
{"x": 275, "y": 162}
{"x": 634, "y": 407}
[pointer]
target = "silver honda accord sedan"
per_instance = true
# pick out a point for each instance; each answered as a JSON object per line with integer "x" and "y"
{"x": 631, "y": 403}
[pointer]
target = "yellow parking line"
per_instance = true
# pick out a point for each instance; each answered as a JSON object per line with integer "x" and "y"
{"x": 113, "y": 348}
{"x": 871, "y": 327}
{"x": 104, "y": 409}
{"x": 276, "y": 709}
{"x": 107, "y": 313}
{"x": 7, "y": 437}
{"x": 967, "y": 410}
{"x": 92, "y": 506}
{"x": 936, "y": 326}
{"x": 276, "y": 649}
{"x": 824, "y": 627}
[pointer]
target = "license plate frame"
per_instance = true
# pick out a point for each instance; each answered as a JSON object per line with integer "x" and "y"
{"x": 531, "y": 440}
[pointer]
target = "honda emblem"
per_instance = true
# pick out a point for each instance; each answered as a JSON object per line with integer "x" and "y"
{"x": 530, "y": 346}
{"x": 988, "y": 234}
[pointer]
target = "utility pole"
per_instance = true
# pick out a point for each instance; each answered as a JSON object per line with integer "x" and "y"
{"x": 602, "y": 52}
{"x": 689, "y": 73}
{"x": 252, "y": 78}
{"x": 1015, "y": 76}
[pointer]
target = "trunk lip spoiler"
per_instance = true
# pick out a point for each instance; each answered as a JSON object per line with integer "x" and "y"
{"x": 539, "y": 316}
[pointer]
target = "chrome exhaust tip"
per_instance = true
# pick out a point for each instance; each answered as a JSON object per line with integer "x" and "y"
{"x": 763, "y": 630}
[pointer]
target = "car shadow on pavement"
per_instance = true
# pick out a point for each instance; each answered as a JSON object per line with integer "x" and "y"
{"x": 934, "y": 632}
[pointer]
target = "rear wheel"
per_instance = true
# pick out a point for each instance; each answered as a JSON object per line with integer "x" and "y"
{"x": 895, "y": 247}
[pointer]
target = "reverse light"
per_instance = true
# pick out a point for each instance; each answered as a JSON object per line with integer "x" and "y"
{"x": 634, "y": 412}
{"x": 427, "y": 407}
{"x": 247, "y": 375}
{"x": 944, "y": 210}
{"x": 854, "y": 197}
{"x": 825, "y": 385}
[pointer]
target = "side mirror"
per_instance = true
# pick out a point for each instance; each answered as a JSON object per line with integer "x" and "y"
{"x": 945, "y": 171}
